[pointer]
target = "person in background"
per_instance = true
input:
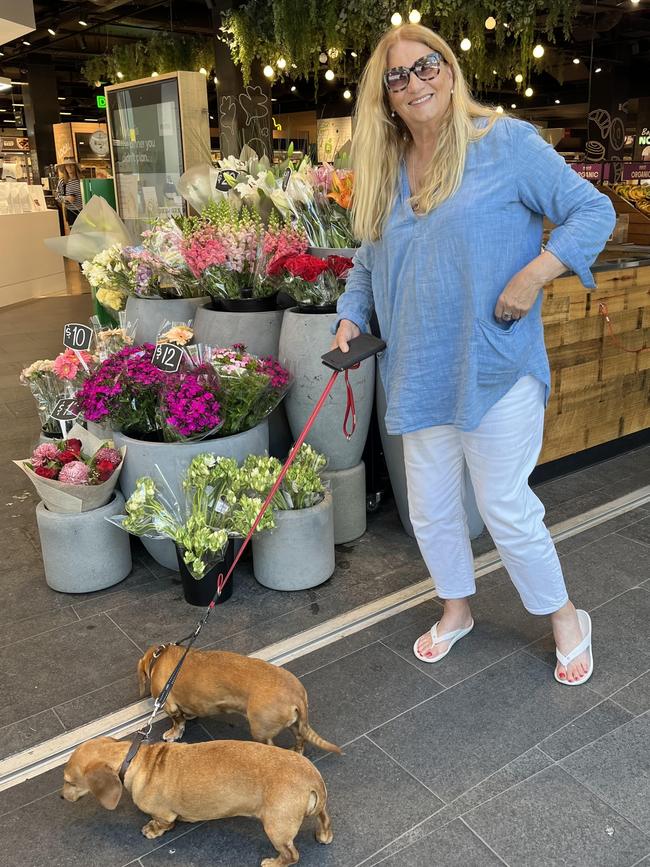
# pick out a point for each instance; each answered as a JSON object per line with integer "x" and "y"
{"x": 449, "y": 199}
{"x": 68, "y": 191}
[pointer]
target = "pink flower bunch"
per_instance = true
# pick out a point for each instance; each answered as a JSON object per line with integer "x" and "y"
{"x": 321, "y": 177}
{"x": 64, "y": 462}
{"x": 189, "y": 406}
{"x": 282, "y": 242}
{"x": 68, "y": 364}
{"x": 279, "y": 377}
{"x": 204, "y": 247}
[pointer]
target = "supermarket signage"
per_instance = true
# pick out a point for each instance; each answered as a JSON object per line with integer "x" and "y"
{"x": 590, "y": 171}
{"x": 644, "y": 138}
{"x": 101, "y": 101}
{"x": 636, "y": 171}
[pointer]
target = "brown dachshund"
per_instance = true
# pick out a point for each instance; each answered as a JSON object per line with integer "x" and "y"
{"x": 212, "y": 780}
{"x": 214, "y": 681}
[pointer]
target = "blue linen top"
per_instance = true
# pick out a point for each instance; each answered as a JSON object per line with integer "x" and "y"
{"x": 434, "y": 279}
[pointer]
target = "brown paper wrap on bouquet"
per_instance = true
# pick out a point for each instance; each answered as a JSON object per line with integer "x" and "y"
{"x": 59, "y": 497}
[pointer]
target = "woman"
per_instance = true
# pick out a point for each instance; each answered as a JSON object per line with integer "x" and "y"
{"x": 68, "y": 192}
{"x": 449, "y": 199}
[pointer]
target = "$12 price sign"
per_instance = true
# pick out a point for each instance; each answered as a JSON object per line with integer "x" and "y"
{"x": 167, "y": 357}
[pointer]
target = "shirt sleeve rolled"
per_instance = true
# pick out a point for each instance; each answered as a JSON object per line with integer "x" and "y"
{"x": 356, "y": 303}
{"x": 583, "y": 217}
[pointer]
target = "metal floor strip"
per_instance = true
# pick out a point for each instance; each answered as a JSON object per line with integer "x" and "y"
{"x": 54, "y": 752}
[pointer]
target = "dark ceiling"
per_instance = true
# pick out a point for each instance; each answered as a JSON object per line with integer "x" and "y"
{"x": 608, "y": 35}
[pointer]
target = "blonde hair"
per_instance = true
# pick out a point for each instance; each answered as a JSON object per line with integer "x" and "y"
{"x": 379, "y": 143}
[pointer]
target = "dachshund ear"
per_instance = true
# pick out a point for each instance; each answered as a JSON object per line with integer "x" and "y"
{"x": 105, "y": 785}
{"x": 143, "y": 677}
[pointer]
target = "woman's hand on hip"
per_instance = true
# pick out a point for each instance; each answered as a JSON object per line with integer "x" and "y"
{"x": 519, "y": 295}
{"x": 345, "y": 332}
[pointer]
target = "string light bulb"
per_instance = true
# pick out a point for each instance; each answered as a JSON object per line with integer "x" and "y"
{"x": 120, "y": 75}
{"x": 347, "y": 94}
{"x": 354, "y": 54}
{"x": 490, "y": 23}
{"x": 83, "y": 23}
{"x": 51, "y": 31}
{"x": 557, "y": 101}
{"x": 268, "y": 71}
{"x": 598, "y": 69}
{"x": 528, "y": 91}
{"x": 322, "y": 57}
{"x": 414, "y": 16}
{"x": 154, "y": 74}
{"x": 576, "y": 60}
{"x": 329, "y": 75}
{"x": 466, "y": 44}
{"x": 293, "y": 88}
{"x": 281, "y": 63}
{"x": 513, "y": 105}
{"x": 519, "y": 78}
{"x": 396, "y": 19}
{"x": 203, "y": 70}
{"x": 499, "y": 109}
{"x": 538, "y": 51}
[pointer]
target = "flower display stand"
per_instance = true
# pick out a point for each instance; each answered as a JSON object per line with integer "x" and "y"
{"x": 145, "y": 458}
{"x": 152, "y": 313}
{"x": 394, "y": 455}
{"x": 299, "y": 552}
{"x": 348, "y": 488}
{"x": 82, "y": 551}
{"x": 258, "y": 331}
{"x": 303, "y": 339}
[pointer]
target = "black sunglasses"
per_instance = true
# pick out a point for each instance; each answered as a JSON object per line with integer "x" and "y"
{"x": 425, "y": 68}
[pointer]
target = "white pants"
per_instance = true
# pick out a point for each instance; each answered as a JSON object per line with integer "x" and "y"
{"x": 501, "y": 454}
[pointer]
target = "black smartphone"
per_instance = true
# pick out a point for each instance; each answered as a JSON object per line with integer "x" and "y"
{"x": 361, "y": 347}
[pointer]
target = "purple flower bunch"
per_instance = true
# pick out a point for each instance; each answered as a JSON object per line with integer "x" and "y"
{"x": 279, "y": 377}
{"x": 189, "y": 408}
{"x": 123, "y": 390}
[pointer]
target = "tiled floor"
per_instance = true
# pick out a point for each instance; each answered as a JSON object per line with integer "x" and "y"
{"x": 481, "y": 760}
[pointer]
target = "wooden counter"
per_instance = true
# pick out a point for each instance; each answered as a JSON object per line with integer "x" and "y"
{"x": 599, "y": 391}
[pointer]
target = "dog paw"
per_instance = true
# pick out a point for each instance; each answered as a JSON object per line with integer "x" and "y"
{"x": 171, "y": 735}
{"x": 325, "y": 837}
{"x": 152, "y": 829}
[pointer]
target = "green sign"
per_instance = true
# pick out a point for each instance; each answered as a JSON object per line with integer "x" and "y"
{"x": 101, "y": 101}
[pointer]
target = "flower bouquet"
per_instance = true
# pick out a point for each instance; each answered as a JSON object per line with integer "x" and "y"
{"x": 189, "y": 407}
{"x": 110, "y": 275}
{"x": 216, "y": 509}
{"x": 75, "y": 474}
{"x": 302, "y": 486}
{"x": 313, "y": 282}
{"x": 250, "y": 387}
{"x": 49, "y": 381}
{"x": 162, "y": 247}
{"x": 109, "y": 340}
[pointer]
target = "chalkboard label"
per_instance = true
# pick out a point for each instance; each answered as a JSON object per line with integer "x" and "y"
{"x": 285, "y": 179}
{"x": 222, "y": 184}
{"x": 76, "y": 336}
{"x": 167, "y": 357}
{"x": 64, "y": 409}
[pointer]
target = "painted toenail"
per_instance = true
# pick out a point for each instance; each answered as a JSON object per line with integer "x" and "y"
{"x": 561, "y": 674}
{"x": 428, "y": 654}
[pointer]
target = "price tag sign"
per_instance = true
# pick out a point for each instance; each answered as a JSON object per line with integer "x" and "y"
{"x": 285, "y": 179}
{"x": 222, "y": 183}
{"x": 167, "y": 357}
{"x": 64, "y": 409}
{"x": 77, "y": 336}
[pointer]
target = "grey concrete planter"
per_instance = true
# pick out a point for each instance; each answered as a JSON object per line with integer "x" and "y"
{"x": 299, "y": 552}
{"x": 303, "y": 339}
{"x": 152, "y": 313}
{"x": 143, "y": 458}
{"x": 394, "y": 454}
{"x": 83, "y": 551}
{"x": 101, "y": 431}
{"x": 259, "y": 331}
{"x": 348, "y": 489}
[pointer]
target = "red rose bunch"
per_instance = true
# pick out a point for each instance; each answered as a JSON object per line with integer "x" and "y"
{"x": 310, "y": 280}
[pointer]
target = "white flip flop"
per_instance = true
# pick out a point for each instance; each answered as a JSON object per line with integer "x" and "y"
{"x": 451, "y": 637}
{"x": 585, "y": 627}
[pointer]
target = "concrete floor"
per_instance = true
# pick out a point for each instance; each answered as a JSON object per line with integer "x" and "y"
{"x": 480, "y": 760}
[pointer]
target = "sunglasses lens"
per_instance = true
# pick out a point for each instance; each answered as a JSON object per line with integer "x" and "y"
{"x": 427, "y": 68}
{"x": 396, "y": 79}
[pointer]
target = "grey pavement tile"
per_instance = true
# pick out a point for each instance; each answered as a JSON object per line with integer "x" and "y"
{"x": 140, "y": 584}
{"x": 569, "y": 487}
{"x": 37, "y": 625}
{"x": 36, "y": 674}
{"x": 104, "y": 700}
{"x": 361, "y": 821}
{"x": 454, "y": 846}
{"x": 411, "y": 618}
{"x": 586, "y": 537}
{"x": 620, "y": 642}
{"x": 639, "y": 531}
{"x": 354, "y": 694}
{"x": 635, "y": 697}
{"x": 502, "y": 625}
{"x": 515, "y": 772}
{"x": 596, "y": 573}
{"x": 26, "y": 594}
{"x": 552, "y": 820}
{"x": 30, "y": 791}
{"x": 26, "y": 733}
{"x": 469, "y": 731}
{"x": 617, "y": 769}
{"x": 585, "y": 729}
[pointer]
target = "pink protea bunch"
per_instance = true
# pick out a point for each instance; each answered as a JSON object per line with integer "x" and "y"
{"x": 75, "y": 473}
{"x": 43, "y": 453}
{"x": 108, "y": 454}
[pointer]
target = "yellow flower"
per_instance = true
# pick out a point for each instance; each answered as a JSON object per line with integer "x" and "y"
{"x": 111, "y": 298}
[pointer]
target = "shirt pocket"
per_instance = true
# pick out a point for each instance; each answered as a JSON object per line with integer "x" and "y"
{"x": 500, "y": 352}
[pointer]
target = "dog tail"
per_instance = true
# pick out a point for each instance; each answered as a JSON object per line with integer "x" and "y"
{"x": 311, "y": 736}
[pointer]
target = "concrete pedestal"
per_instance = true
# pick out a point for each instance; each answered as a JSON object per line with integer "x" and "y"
{"x": 349, "y": 495}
